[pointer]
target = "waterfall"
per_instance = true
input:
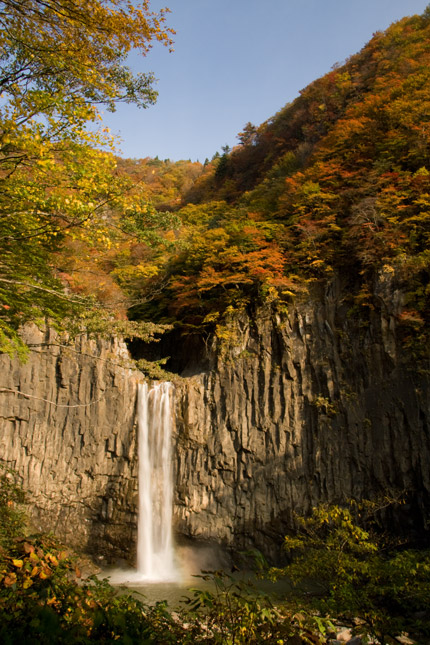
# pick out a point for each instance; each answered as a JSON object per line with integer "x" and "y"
{"x": 155, "y": 556}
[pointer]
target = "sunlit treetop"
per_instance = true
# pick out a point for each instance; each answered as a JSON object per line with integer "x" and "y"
{"x": 79, "y": 46}
{"x": 59, "y": 61}
{"x": 336, "y": 184}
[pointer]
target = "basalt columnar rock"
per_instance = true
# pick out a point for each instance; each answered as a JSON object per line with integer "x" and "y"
{"x": 67, "y": 427}
{"x": 299, "y": 409}
{"x": 285, "y": 411}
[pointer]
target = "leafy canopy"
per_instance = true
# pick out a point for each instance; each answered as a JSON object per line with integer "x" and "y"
{"x": 59, "y": 61}
{"x": 76, "y": 50}
{"x": 337, "y": 183}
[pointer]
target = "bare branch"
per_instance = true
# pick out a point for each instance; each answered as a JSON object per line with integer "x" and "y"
{"x": 57, "y": 294}
{"x": 58, "y": 405}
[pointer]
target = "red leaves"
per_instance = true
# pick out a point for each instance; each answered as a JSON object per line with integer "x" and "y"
{"x": 225, "y": 264}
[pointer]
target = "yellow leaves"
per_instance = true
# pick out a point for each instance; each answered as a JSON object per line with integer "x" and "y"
{"x": 343, "y": 80}
{"x": 423, "y": 201}
{"x": 422, "y": 172}
{"x": 45, "y": 573}
{"x": 211, "y": 317}
{"x": 170, "y": 236}
{"x": 35, "y": 565}
{"x": 52, "y": 559}
{"x": 226, "y": 334}
{"x": 134, "y": 273}
{"x": 291, "y": 542}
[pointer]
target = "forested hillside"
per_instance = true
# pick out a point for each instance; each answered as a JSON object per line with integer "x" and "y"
{"x": 336, "y": 183}
{"x": 292, "y": 276}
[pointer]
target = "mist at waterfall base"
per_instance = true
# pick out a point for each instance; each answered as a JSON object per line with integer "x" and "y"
{"x": 158, "y": 562}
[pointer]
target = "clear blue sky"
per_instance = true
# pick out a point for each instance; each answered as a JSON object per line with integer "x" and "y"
{"x": 241, "y": 60}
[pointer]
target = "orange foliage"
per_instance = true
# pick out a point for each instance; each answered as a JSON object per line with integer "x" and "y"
{"x": 337, "y": 181}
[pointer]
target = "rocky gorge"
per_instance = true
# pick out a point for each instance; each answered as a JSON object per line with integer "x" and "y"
{"x": 281, "y": 411}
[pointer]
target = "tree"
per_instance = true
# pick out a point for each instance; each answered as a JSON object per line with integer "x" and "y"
{"x": 222, "y": 166}
{"x": 249, "y": 135}
{"x": 60, "y": 60}
{"x": 76, "y": 50}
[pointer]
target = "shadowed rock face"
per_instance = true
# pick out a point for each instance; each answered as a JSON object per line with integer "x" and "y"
{"x": 309, "y": 407}
{"x": 302, "y": 409}
{"x": 291, "y": 411}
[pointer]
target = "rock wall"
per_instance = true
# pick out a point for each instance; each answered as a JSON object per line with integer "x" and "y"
{"x": 299, "y": 409}
{"x": 285, "y": 412}
{"x": 69, "y": 433}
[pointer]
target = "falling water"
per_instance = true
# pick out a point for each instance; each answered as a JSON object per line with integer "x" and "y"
{"x": 155, "y": 557}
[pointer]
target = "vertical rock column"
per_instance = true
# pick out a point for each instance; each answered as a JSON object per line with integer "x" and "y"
{"x": 67, "y": 427}
{"x": 308, "y": 408}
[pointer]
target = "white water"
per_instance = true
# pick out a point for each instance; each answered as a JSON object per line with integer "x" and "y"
{"x": 155, "y": 552}
{"x": 155, "y": 556}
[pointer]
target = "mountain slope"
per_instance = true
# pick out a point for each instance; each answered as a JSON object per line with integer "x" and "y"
{"x": 338, "y": 182}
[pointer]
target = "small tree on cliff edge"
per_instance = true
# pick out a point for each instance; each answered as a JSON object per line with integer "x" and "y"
{"x": 60, "y": 60}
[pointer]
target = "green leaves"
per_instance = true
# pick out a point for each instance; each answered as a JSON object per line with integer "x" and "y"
{"x": 70, "y": 51}
{"x": 59, "y": 61}
{"x": 357, "y": 574}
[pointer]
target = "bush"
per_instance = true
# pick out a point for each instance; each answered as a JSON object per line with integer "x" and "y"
{"x": 356, "y": 573}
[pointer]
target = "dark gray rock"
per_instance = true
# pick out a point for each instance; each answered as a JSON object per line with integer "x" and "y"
{"x": 299, "y": 409}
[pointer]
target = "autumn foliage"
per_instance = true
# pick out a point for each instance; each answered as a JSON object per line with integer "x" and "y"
{"x": 338, "y": 182}
{"x": 59, "y": 186}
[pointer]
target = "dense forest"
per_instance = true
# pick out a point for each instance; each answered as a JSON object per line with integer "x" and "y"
{"x": 335, "y": 185}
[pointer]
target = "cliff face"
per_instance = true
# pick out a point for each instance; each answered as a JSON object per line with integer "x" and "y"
{"x": 286, "y": 412}
{"x": 306, "y": 408}
{"x": 70, "y": 435}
